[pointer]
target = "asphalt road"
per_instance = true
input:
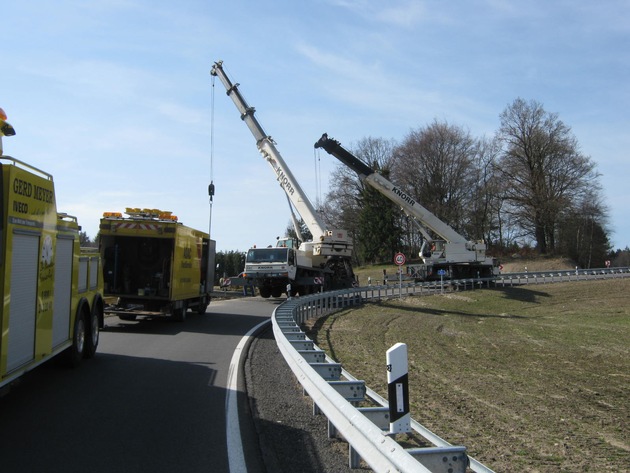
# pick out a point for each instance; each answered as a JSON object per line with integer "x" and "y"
{"x": 152, "y": 400}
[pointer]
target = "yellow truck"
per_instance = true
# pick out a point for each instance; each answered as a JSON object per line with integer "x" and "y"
{"x": 154, "y": 265}
{"x": 51, "y": 289}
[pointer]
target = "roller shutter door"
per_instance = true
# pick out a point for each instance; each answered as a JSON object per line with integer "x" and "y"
{"x": 23, "y": 304}
{"x": 63, "y": 291}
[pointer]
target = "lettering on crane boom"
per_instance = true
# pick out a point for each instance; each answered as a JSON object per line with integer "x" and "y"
{"x": 284, "y": 181}
{"x": 403, "y": 196}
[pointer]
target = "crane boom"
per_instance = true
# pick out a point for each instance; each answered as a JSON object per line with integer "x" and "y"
{"x": 454, "y": 251}
{"x": 323, "y": 263}
{"x": 267, "y": 148}
{"x": 393, "y": 192}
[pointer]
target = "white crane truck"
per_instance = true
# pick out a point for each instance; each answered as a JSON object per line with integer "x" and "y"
{"x": 51, "y": 288}
{"x": 444, "y": 252}
{"x": 295, "y": 267}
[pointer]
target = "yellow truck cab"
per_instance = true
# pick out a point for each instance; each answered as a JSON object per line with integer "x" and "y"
{"x": 154, "y": 265}
{"x": 51, "y": 289}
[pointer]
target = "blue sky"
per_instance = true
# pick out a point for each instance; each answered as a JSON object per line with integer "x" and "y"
{"x": 115, "y": 100}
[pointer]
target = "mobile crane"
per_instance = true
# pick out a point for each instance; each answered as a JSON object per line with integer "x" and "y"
{"x": 292, "y": 266}
{"x": 451, "y": 255}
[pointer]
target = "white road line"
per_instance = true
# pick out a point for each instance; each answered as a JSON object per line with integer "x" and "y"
{"x": 236, "y": 458}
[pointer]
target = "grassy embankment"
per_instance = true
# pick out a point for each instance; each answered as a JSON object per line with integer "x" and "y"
{"x": 530, "y": 378}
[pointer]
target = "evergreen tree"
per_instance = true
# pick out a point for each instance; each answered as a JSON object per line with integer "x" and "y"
{"x": 228, "y": 264}
{"x": 379, "y": 233}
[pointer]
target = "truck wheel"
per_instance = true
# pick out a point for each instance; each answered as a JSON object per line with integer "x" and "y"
{"x": 127, "y": 317}
{"x": 202, "y": 307}
{"x": 77, "y": 350}
{"x": 179, "y": 315}
{"x": 265, "y": 292}
{"x": 93, "y": 333}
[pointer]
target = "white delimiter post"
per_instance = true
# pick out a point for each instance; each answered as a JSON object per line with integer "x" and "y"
{"x": 398, "y": 389}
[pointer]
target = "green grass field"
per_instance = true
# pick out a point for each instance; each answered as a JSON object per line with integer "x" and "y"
{"x": 529, "y": 379}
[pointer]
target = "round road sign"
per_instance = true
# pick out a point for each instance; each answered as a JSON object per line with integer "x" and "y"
{"x": 399, "y": 259}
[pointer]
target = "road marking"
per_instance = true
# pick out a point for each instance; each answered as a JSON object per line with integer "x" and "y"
{"x": 236, "y": 458}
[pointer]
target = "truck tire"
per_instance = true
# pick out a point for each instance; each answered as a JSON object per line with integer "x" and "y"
{"x": 77, "y": 351}
{"x": 127, "y": 317}
{"x": 265, "y": 292}
{"x": 179, "y": 315}
{"x": 92, "y": 334}
{"x": 203, "y": 306}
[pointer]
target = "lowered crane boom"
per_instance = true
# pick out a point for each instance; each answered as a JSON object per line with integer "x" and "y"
{"x": 452, "y": 253}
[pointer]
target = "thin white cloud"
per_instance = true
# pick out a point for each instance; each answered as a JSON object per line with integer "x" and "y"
{"x": 405, "y": 13}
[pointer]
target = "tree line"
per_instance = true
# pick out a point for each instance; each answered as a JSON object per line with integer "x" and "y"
{"x": 528, "y": 187}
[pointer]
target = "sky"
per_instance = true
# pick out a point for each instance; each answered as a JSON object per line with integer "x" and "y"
{"x": 115, "y": 99}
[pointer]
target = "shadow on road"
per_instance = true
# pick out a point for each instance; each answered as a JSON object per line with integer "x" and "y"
{"x": 114, "y": 414}
{"x": 215, "y": 323}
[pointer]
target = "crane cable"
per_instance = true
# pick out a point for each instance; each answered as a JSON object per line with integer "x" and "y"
{"x": 212, "y": 129}
{"x": 211, "y": 186}
{"x": 318, "y": 179}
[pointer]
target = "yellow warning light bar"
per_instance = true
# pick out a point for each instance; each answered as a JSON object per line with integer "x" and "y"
{"x": 112, "y": 214}
{"x": 136, "y": 212}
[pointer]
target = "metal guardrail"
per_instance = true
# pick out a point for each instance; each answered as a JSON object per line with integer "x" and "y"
{"x": 366, "y": 429}
{"x": 365, "y": 438}
{"x": 571, "y": 275}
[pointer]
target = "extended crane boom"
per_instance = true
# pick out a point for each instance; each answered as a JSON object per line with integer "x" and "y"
{"x": 267, "y": 148}
{"x": 322, "y": 262}
{"x": 452, "y": 253}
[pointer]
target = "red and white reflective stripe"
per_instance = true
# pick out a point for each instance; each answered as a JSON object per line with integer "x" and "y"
{"x": 135, "y": 226}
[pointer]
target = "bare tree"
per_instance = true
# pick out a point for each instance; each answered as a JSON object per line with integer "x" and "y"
{"x": 542, "y": 169}
{"x": 483, "y": 219}
{"x": 340, "y": 208}
{"x": 345, "y": 202}
{"x": 435, "y": 164}
{"x": 583, "y": 233}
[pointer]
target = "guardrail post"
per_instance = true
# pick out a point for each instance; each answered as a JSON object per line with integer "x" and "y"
{"x": 354, "y": 460}
{"x": 332, "y": 430}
